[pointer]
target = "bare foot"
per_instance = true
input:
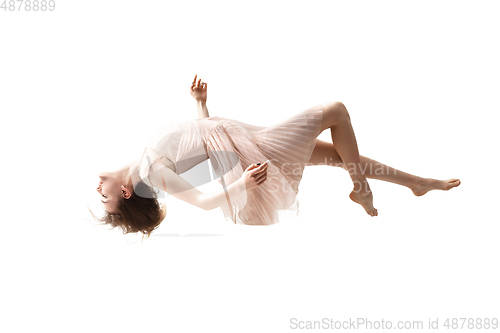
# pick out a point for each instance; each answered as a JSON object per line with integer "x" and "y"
{"x": 429, "y": 184}
{"x": 365, "y": 199}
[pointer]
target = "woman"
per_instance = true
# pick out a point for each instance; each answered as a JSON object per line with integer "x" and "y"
{"x": 253, "y": 193}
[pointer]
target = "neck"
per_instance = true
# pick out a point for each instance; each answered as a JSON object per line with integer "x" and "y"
{"x": 132, "y": 172}
{"x": 128, "y": 174}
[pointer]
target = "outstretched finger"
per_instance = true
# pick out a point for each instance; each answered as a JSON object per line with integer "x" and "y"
{"x": 263, "y": 166}
{"x": 198, "y": 85}
{"x": 195, "y": 78}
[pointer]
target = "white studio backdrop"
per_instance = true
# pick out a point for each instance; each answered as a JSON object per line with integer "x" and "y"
{"x": 83, "y": 87}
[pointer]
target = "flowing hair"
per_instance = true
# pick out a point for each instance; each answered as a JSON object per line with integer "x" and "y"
{"x": 140, "y": 213}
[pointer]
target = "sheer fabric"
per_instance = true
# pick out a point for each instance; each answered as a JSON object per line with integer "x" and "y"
{"x": 232, "y": 146}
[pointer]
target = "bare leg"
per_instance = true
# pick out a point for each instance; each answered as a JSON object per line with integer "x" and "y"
{"x": 325, "y": 153}
{"x": 336, "y": 117}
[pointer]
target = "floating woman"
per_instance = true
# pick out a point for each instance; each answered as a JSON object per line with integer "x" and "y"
{"x": 260, "y": 168}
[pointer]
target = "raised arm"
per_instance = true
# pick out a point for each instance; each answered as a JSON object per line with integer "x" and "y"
{"x": 202, "y": 109}
{"x": 170, "y": 182}
{"x": 199, "y": 92}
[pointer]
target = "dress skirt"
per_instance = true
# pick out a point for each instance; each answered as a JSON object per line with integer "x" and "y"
{"x": 288, "y": 145}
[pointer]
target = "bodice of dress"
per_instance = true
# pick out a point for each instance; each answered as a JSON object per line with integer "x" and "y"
{"x": 178, "y": 146}
{"x": 181, "y": 146}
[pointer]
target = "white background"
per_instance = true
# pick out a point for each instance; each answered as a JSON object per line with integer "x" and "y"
{"x": 82, "y": 88}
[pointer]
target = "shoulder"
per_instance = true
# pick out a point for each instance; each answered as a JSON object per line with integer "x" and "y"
{"x": 151, "y": 162}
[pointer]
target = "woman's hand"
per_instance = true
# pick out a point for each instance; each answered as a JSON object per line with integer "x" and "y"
{"x": 254, "y": 175}
{"x": 199, "y": 90}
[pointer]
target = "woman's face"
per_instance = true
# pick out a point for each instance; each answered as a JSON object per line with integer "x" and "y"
{"x": 110, "y": 190}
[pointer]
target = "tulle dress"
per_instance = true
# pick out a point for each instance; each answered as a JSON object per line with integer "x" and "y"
{"x": 232, "y": 146}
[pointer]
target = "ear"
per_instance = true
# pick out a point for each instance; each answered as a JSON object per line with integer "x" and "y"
{"x": 125, "y": 192}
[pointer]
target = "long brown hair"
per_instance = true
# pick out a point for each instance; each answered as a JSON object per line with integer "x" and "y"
{"x": 140, "y": 213}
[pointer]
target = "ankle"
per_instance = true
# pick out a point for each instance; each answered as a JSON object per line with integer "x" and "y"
{"x": 419, "y": 182}
{"x": 361, "y": 186}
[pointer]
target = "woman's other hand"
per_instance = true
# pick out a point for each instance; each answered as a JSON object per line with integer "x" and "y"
{"x": 254, "y": 175}
{"x": 199, "y": 90}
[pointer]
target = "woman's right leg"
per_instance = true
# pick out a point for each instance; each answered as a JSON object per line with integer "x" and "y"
{"x": 336, "y": 117}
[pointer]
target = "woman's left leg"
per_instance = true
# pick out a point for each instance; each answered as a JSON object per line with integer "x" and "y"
{"x": 325, "y": 154}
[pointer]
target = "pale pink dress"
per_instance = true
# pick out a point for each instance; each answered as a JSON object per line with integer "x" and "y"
{"x": 232, "y": 146}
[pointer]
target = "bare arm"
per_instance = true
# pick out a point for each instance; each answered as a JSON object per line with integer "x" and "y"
{"x": 170, "y": 182}
{"x": 202, "y": 109}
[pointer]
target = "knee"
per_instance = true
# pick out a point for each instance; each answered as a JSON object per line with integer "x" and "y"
{"x": 335, "y": 112}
